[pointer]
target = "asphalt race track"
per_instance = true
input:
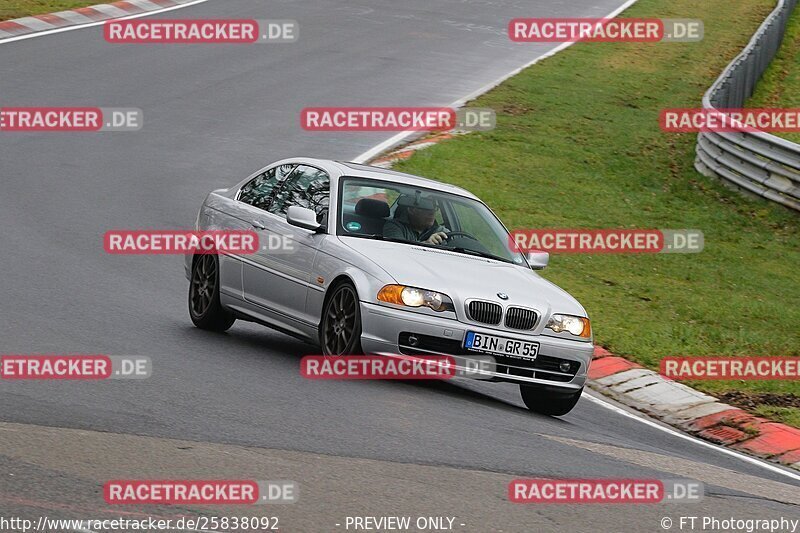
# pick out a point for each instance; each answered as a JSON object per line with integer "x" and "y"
{"x": 235, "y": 405}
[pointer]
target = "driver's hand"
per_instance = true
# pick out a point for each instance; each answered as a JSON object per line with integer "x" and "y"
{"x": 437, "y": 238}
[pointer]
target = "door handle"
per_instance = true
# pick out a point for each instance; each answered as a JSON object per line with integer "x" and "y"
{"x": 258, "y": 225}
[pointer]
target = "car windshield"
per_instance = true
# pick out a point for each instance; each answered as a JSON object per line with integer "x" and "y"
{"x": 396, "y": 212}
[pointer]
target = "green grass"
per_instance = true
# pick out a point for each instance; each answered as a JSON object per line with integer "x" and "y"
{"x": 787, "y": 415}
{"x": 11, "y": 9}
{"x": 780, "y": 86}
{"x": 578, "y": 144}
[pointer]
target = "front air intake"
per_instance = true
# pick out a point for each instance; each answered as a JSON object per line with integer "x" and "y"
{"x": 485, "y": 312}
{"x": 520, "y": 318}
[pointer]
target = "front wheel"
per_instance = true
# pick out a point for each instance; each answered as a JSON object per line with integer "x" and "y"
{"x": 546, "y": 402}
{"x": 340, "y": 328}
{"x": 205, "y": 308}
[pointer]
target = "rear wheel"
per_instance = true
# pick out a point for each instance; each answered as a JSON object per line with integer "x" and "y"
{"x": 547, "y": 402}
{"x": 205, "y": 308}
{"x": 340, "y": 328}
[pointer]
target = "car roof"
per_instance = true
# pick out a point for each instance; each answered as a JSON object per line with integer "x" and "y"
{"x": 338, "y": 169}
{"x": 359, "y": 170}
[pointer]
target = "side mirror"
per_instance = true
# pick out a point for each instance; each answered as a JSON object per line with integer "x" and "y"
{"x": 302, "y": 217}
{"x": 538, "y": 260}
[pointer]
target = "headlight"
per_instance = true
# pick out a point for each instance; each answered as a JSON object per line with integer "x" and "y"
{"x": 414, "y": 297}
{"x": 578, "y": 326}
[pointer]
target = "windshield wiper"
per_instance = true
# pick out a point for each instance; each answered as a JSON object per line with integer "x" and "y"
{"x": 477, "y": 253}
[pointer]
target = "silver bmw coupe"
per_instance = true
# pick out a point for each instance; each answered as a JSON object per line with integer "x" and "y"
{"x": 363, "y": 260}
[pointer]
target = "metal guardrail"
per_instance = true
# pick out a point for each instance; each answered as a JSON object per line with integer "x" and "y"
{"x": 756, "y": 162}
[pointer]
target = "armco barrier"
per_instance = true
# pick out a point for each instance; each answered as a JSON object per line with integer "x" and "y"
{"x": 755, "y": 162}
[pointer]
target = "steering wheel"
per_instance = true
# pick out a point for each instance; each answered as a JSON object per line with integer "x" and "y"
{"x": 427, "y": 235}
{"x": 461, "y": 234}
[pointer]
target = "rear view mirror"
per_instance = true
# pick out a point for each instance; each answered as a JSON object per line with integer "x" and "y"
{"x": 538, "y": 260}
{"x": 302, "y": 217}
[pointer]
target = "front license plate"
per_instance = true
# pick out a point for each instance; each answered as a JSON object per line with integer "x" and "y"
{"x": 479, "y": 342}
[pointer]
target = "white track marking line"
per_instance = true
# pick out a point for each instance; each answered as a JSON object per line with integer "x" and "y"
{"x": 400, "y": 137}
{"x": 675, "y": 433}
{"x": 98, "y": 23}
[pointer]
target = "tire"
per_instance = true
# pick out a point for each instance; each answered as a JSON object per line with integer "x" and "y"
{"x": 205, "y": 308}
{"x": 546, "y": 402}
{"x": 340, "y": 327}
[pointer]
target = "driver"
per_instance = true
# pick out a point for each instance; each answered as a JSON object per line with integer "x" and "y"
{"x": 417, "y": 223}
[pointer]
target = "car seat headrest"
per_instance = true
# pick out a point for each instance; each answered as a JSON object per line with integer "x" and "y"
{"x": 372, "y": 208}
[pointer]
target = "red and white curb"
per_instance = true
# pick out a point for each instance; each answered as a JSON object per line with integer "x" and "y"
{"x": 83, "y": 16}
{"x": 407, "y": 150}
{"x": 693, "y": 411}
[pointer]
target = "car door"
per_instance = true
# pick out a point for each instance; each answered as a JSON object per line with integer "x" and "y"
{"x": 279, "y": 275}
{"x": 250, "y": 203}
{"x": 253, "y": 202}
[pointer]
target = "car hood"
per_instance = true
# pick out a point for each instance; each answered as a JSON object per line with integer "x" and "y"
{"x": 464, "y": 277}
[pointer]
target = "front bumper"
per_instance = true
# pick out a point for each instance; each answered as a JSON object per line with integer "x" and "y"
{"x": 386, "y": 331}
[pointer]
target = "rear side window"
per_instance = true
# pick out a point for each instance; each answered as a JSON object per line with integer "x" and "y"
{"x": 307, "y": 187}
{"x": 259, "y": 192}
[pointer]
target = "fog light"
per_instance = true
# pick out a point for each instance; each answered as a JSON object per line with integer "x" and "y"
{"x": 565, "y": 366}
